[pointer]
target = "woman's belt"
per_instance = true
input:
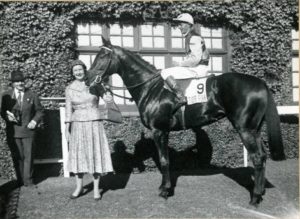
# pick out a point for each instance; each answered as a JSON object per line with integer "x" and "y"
{"x": 84, "y": 106}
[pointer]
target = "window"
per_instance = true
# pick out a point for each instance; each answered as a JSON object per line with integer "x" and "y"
{"x": 295, "y": 65}
{"x": 89, "y": 35}
{"x": 158, "y": 44}
{"x": 152, "y": 36}
{"x": 215, "y": 43}
{"x": 122, "y": 36}
{"x": 177, "y": 41}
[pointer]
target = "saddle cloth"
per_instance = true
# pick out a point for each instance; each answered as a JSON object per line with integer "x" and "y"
{"x": 195, "y": 90}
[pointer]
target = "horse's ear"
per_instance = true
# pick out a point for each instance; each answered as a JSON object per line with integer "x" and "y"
{"x": 106, "y": 42}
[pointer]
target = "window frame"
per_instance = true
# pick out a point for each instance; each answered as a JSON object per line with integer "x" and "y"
{"x": 295, "y": 54}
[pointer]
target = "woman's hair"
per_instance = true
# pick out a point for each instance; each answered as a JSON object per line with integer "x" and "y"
{"x": 77, "y": 62}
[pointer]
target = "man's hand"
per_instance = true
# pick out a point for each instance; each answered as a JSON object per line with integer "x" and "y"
{"x": 31, "y": 124}
{"x": 11, "y": 117}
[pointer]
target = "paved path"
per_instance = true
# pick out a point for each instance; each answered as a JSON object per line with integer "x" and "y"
{"x": 217, "y": 193}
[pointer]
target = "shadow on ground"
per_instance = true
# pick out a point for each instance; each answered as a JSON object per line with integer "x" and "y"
{"x": 9, "y": 196}
{"x": 189, "y": 162}
{"x": 123, "y": 164}
{"x": 193, "y": 161}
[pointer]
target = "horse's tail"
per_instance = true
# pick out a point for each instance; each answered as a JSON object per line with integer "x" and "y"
{"x": 273, "y": 130}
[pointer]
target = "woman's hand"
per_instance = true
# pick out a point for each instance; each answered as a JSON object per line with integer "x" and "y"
{"x": 67, "y": 131}
{"x": 107, "y": 97}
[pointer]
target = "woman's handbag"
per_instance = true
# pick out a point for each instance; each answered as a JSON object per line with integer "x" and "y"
{"x": 112, "y": 112}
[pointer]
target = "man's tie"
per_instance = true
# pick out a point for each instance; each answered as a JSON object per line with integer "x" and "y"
{"x": 20, "y": 98}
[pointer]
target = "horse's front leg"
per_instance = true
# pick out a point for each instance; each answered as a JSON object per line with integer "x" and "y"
{"x": 161, "y": 142}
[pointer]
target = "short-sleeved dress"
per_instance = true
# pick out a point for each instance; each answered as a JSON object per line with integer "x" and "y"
{"x": 88, "y": 145}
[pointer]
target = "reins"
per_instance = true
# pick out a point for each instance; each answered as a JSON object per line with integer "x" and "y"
{"x": 117, "y": 95}
{"x": 131, "y": 87}
{"x": 99, "y": 78}
{"x": 139, "y": 84}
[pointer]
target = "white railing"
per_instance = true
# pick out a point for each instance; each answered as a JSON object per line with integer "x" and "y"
{"x": 282, "y": 110}
{"x": 65, "y": 149}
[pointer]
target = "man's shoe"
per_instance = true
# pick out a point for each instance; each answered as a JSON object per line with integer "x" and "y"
{"x": 29, "y": 185}
{"x": 19, "y": 183}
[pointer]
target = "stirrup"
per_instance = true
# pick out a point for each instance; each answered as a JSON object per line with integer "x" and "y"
{"x": 181, "y": 98}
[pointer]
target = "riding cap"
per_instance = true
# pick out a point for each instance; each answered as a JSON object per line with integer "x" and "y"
{"x": 17, "y": 76}
{"x": 78, "y": 62}
{"x": 185, "y": 18}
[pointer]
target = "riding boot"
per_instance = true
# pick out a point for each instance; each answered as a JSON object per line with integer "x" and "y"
{"x": 171, "y": 83}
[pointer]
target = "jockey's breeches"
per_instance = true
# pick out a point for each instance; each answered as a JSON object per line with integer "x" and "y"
{"x": 185, "y": 72}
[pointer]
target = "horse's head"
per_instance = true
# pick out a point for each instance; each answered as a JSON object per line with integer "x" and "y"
{"x": 131, "y": 67}
{"x": 103, "y": 66}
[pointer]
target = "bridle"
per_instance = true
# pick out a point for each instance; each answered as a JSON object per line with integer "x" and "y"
{"x": 99, "y": 78}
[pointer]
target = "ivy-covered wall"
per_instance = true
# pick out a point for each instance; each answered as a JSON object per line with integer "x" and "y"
{"x": 39, "y": 38}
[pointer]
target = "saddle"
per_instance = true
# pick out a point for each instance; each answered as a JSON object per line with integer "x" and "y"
{"x": 194, "y": 89}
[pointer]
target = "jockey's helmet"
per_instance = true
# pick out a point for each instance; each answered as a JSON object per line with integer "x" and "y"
{"x": 185, "y": 18}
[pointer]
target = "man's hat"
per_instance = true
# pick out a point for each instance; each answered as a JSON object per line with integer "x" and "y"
{"x": 185, "y": 18}
{"x": 17, "y": 76}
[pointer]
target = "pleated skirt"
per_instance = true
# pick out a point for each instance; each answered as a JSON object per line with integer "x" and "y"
{"x": 88, "y": 148}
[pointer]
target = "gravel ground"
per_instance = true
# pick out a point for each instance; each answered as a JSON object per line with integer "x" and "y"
{"x": 208, "y": 193}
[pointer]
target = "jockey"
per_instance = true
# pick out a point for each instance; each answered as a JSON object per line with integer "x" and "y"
{"x": 194, "y": 64}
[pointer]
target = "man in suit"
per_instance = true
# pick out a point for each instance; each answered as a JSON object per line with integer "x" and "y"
{"x": 22, "y": 111}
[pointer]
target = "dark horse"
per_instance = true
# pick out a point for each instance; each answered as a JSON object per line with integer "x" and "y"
{"x": 245, "y": 100}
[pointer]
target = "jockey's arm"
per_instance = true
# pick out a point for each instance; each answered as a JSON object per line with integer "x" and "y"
{"x": 193, "y": 59}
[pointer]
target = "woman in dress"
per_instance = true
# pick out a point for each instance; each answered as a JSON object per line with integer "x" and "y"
{"x": 88, "y": 146}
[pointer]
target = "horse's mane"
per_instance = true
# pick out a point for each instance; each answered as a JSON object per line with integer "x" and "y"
{"x": 138, "y": 60}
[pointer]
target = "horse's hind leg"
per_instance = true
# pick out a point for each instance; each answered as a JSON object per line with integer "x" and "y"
{"x": 252, "y": 142}
{"x": 161, "y": 142}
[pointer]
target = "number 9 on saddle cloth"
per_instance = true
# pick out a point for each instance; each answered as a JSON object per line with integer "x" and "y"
{"x": 187, "y": 83}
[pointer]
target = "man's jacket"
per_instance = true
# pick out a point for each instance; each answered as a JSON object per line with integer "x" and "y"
{"x": 30, "y": 109}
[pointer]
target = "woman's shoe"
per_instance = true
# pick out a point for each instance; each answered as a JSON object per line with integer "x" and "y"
{"x": 98, "y": 198}
{"x": 76, "y": 196}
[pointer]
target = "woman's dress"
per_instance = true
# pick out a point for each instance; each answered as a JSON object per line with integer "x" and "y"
{"x": 88, "y": 145}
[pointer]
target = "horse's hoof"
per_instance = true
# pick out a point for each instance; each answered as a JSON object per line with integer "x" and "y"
{"x": 161, "y": 188}
{"x": 164, "y": 194}
{"x": 255, "y": 200}
{"x": 253, "y": 203}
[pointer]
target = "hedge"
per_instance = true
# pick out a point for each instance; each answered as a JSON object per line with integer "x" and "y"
{"x": 39, "y": 38}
